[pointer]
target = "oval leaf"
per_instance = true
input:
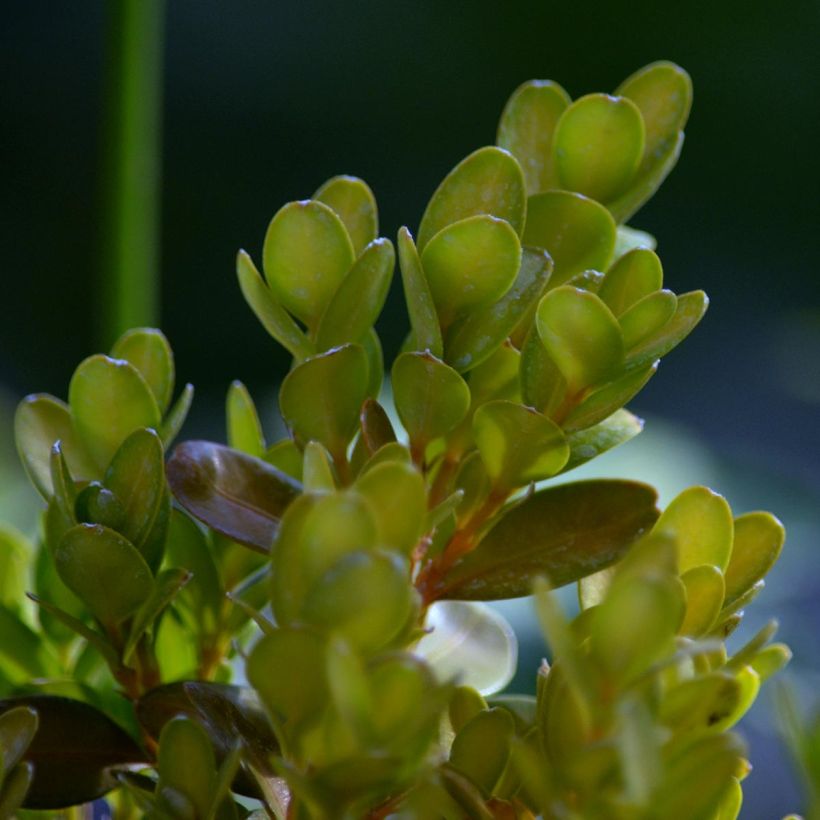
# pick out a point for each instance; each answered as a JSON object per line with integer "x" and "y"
{"x": 419, "y": 300}
{"x": 354, "y": 203}
{"x": 705, "y": 589}
{"x": 237, "y": 495}
{"x": 581, "y": 336}
{"x": 526, "y": 130}
{"x": 646, "y": 317}
{"x": 109, "y": 399}
{"x": 358, "y": 302}
{"x": 306, "y": 254}
{"x": 758, "y": 540}
{"x": 470, "y": 264}
{"x": 635, "y": 275}
{"x": 578, "y": 232}
{"x": 431, "y": 398}
{"x": 244, "y": 428}
{"x": 186, "y": 763}
{"x": 488, "y": 181}
{"x": 73, "y": 751}
{"x": 584, "y": 445}
{"x": 481, "y": 749}
{"x": 18, "y": 726}
{"x": 104, "y": 570}
{"x": 564, "y": 532}
{"x": 148, "y": 350}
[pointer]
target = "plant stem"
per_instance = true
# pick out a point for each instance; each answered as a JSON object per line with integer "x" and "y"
{"x": 129, "y": 275}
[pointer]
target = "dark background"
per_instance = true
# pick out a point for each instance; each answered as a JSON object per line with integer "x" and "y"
{"x": 265, "y": 100}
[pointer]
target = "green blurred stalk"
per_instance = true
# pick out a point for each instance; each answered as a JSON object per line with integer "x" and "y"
{"x": 132, "y": 145}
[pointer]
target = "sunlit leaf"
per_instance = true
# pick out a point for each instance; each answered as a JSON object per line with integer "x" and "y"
{"x": 148, "y": 350}
{"x": 647, "y": 316}
{"x": 244, "y": 427}
{"x": 635, "y": 275}
{"x": 354, "y": 203}
{"x": 758, "y": 540}
{"x": 488, "y": 181}
{"x": 584, "y": 445}
{"x": 704, "y": 599}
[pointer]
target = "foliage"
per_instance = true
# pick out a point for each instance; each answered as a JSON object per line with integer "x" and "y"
{"x": 341, "y": 570}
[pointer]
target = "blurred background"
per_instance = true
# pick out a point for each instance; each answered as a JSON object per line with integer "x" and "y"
{"x": 262, "y": 101}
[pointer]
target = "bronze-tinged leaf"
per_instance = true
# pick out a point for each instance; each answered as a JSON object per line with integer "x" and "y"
{"x": 565, "y": 533}
{"x": 237, "y": 495}
{"x": 74, "y": 751}
{"x": 227, "y": 713}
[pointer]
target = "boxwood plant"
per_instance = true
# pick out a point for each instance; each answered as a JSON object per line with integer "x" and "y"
{"x": 295, "y": 628}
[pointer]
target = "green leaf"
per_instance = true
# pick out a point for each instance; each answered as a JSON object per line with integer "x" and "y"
{"x": 15, "y": 788}
{"x": 24, "y": 655}
{"x": 578, "y": 232}
{"x": 366, "y": 597}
{"x": 704, "y": 599}
{"x": 136, "y": 477}
{"x": 581, "y": 336}
{"x": 357, "y": 303}
{"x": 317, "y": 469}
{"x": 469, "y": 642}
{"x": 354, "y": 203}
{"x": 18, "y": 726}
{"x": 398, "y": 497}
{"x": 758, "y": 540}
{"x": 478, "y": 335}
{"x": 375, "y": 426}
{"x": 628, "y": 239}
{"x": 40, "y": 421}
{"x": 564, "y": 532}
{"x": 770, "y": 660}
{"x": 602, "y": 403}
{"x": 166, "y": 587}
{"x": 527, "y": 128}
{"x": 700, "y": 702}
{"x": 701, "y": 523}
{"x": 542, "y": 385}
{"x": 148, "y": 351}
{"x": 633, "y": 276}
{"x": 244, "y": 428}
{"x": 186, "y": 762}
{"x": 584, "y": 445}
{"x": 488, "y": 181}
{"x": 105, "y": 571}
{"x": 320, "y": 399}
{"x": 109, "y": 399}
{"x": 470, "y": 264}
{"x": 306, "y": 255}
{"x": 481, "y": 749}
{"x": 285, "y": 456}
{"x": 288, "y": 671}
{"x": 426, "y": 332}
{"x": 237, "y": 495}
{"x": 518, "y": 444}
{"x": 465, "y": 704}
{"x": 270, "y": 313}
{"x": 173, "y": 421}
{"x": 598, "y": 146}
{"x": 647, "y": 316}
{"x": 375, "y": 362}
{"x": 431, "y": 398}
{"x": 15, "y": 562}
{"x": 72, "y": 751}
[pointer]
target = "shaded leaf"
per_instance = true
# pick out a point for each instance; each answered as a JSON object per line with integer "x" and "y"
{"x": 354, "y": 203}
{"x": 375, "y": 425}
{"x": 148, "y": 350}
{"x": 186, "y": 763}
{"x": 542, "y": 385}
{"x": 481, "y": 749}
{"x": 317, "y": 469}
{"x": 244, "y": 428}
{"x": 237, "y": 495}
{"x": 426, "y": 333}
{"x": 488, "y": 181}
{"x": 173, "y": 421}
{"x": 18, "y": 726}
{"x": 564, "y": 532}
{"x": 306, "y": 254}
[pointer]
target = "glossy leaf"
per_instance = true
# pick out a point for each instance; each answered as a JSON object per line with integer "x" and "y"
{"x": 357, "y": 303}
{"x": 564, "y": 533}
{"x": 602, "y": 403}
{"x": 398, "y": 497}
{"x": 577, "y": 232}
{"x": 598, "y": 145}
{"x": 478, "y": 335}
{"x": 375, "y": 426}
{"x": 758, "y": 540}
{"x": 584, "y": 445}
{"x": 148, "y": 351}
{"x": 471, "y": 643}
{"x": 634, "y": 276}
{"x": 581, "y": 336}
{"x": 481, "y": 749}
{"x": 354, "y": 203}
{"x": 109, "y": 399}
{"x": 527, "y": 127}
{"x": 542, "y": 385}
{"x": 244, "y": 428}
{"x": 771, "y": 660}
{"x": 470, "y": 264}
{"x": 647, "y": 316}
{"x": 136, "y": 477}
{"x": 518, "y": 444}
{"x": 426, "y": 333}
{"x": 488, "y": 181}
{"x": 704, "y": 599}
{"x": 320, "y": 399}
{"x": 431, "y": 398}
{"x": 237, "y": 495}
{"x": 73, "y": 751}
{"x": 40, "y": 421}
{"x": 306, "y": 255}
{"x": 701, "y": 523}
{"x": 270, "y": 313}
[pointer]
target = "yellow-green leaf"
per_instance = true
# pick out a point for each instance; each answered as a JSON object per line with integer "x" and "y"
{"x": 354, "y": 203}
